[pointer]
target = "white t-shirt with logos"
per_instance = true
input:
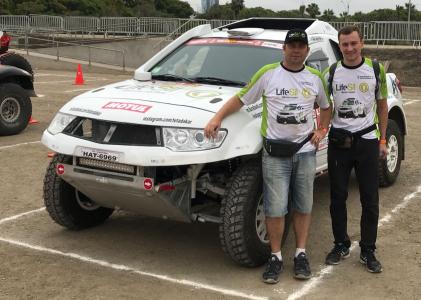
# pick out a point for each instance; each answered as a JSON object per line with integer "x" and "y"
{"x": 288, "y": 101}
{"x": 354, "y": 96}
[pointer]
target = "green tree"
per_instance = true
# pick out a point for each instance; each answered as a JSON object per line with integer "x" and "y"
{"x": 328, "y": 15}
{"x": 219, "y": 12}
{"x": 237, "y": 6}
{"x": 5, "y": 7}
{"x": 256, "y": 12}
{"x": 174, "y": 8}
{"x": 302, "y": 10}
{"x": 313, "y": 10}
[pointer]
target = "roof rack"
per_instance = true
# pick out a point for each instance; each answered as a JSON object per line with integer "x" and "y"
{"x": 271, "y": 23}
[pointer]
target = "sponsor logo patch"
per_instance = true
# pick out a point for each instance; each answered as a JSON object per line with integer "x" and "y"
{"x": 364, "y": 87}
{"x": 139, "y": 108}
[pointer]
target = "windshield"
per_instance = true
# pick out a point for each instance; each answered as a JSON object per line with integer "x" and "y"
{"x": 217, "y": 61}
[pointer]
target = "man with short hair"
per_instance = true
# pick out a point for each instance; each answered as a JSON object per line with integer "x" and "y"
{"x": 289, "y": 90}
{"x": 357, "y": 139}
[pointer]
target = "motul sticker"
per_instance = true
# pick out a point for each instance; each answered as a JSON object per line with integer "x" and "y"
{"x": 139, "y": 108}
{"x": 147, "y": 184}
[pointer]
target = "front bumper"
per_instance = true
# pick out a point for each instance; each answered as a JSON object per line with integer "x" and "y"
{"x": 130, "y": 192}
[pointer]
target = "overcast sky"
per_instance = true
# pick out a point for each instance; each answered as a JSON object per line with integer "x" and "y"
{"x": 337, "y": 5}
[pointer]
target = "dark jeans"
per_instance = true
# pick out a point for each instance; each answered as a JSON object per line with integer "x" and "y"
{"x": 364, "y": 157}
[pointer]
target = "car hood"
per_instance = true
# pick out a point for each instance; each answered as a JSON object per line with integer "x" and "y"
{"x": 140, "y": 102}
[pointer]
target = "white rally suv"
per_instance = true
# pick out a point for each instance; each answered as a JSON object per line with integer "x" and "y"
{"x": 139, "y": 145}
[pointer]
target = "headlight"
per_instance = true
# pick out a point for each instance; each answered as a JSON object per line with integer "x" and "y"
{"x": 60, "y": 122}
{"x": 187, "y": 139}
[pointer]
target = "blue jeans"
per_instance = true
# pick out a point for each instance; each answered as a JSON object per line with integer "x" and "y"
{"x": 282, "y": 175}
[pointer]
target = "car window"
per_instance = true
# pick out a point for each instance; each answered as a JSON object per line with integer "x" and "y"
{"x": 226, "y": 60}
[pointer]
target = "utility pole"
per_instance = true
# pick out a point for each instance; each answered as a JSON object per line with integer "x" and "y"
{"x": 409, "y": 21}
{"x": 346, "y": 4}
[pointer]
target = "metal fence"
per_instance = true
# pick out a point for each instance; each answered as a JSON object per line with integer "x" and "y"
{"x": 373, "y": 31}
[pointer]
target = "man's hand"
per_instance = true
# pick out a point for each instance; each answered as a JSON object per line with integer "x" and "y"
{"x": 318, "y": 135}
{"x": 234, "y": 104}
{"x": 212, "y": 128}
{"x": 383, "y": 151}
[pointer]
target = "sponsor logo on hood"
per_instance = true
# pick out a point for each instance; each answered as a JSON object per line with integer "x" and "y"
{"x": 139, "y": 108}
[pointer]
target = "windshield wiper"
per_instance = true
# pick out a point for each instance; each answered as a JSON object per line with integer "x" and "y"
{"x": 216, "y": 80}
{"x": 171, "y": 77}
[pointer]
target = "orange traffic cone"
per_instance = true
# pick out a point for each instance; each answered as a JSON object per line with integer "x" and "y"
{"x": 79, "y": 76}
{"x": 32, "y": 121}
{"x": 51, "y": 154}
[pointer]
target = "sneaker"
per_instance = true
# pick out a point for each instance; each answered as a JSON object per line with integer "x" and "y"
{"x": 302, "y": 267}
{"x": 274, "y": 267}
{"x": 339, "y": 251}
{"x": 368, "y": 258}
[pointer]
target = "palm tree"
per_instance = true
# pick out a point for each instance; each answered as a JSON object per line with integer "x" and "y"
{"x": 313, "y": 10}
{"x": 302, "y": 10}
{"x": 236, "y": 6}
{"x": 328, "y": 15}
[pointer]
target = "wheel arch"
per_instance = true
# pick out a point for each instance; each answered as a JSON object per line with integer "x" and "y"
{"x": 396, "y": 114}
{"x": 18, "y": 76}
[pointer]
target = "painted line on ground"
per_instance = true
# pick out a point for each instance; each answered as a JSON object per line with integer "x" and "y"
{"x": 13, "y": 218}
{"x": 118, "y": 267}
{"x": 316, "y": 280}
{"x": 411, "y": 102}
{"x": 20, "y": 144}
{"x": 70, "y": 81}
{"x": 410, "y": 99}
{"x": 79, "y": 90}
{"x": 55, "y": 75}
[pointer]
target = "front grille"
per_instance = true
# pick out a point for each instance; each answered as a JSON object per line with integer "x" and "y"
{"x": 105, "y": 165}
{"x": 105, "y": 132}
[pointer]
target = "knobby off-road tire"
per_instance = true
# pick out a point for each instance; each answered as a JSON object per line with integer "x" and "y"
{"x": 238, "y": 230}
{"x": 15, "y": 109}
{"x": 389, "y": 168}
{"x": 62, "y": 204}
{"x": 16, "y": 60}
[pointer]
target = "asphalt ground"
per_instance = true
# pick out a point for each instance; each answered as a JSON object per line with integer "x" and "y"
{"x": 134, "y": 257}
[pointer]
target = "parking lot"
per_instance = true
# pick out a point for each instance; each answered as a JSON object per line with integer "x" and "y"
{"x": 133, "y": 257}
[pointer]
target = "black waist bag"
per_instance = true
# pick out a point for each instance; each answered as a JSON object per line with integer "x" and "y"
{"x": 283, "y": 148}
{"x": 341, "y": 138}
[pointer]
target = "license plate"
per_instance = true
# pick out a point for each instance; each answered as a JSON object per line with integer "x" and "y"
{"x": 98, "y": 154}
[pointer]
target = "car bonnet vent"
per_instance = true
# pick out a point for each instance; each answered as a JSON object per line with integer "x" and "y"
{"x": 245, "y": 32}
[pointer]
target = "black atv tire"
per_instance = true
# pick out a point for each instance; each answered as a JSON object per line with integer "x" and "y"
{"x": 390, "y": 167}
{"x": 15, "y": 109}
{"x": 238, "y": 230}
{"x": 16, "y": 60}
{"x": 61, "y": 201}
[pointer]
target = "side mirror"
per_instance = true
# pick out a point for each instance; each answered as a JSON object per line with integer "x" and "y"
{"x": 142, "y": 75}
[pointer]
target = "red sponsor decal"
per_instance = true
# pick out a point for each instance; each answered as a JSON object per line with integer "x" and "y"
{"x": 60, "y": 169}
{"x": 140, "y": 108}
{"x": 147, "y": 184}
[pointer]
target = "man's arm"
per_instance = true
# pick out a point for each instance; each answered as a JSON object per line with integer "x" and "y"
{"x": 382, "y": 113}
{"x": 234, "y": 104}
{"x": 320, "y": 133}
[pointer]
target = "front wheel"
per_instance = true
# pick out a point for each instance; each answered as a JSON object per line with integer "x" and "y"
{"x": 242, "y": 232}
{"x": 67, "y": 206}
{"x": 389, "y": 168}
